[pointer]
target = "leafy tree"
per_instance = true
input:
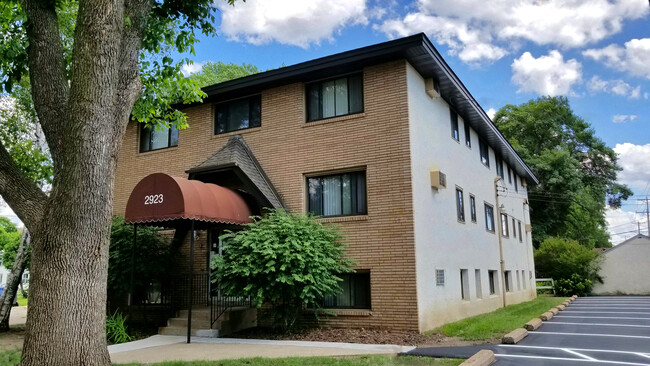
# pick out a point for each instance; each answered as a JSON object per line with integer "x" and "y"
{"x": 287, "y": 260}
{"x": 92, "y": 65}
{"x": 153, "y": 257}
{"x": 576, "y": 170}
{"x": 560, "y": 259}
{"x": 213, "y": 73}
{"x": 7, "y": 226}
{"x": 9, "y": 242}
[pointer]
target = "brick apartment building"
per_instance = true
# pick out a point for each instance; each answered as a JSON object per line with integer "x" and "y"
{"x": 386, "y": 142}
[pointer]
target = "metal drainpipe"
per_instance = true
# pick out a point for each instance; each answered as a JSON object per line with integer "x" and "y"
{"x": 501, "y": 261}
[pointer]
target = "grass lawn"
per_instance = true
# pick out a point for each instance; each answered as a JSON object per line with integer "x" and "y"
{"x": 374, "y": 360}
{"x": 499, "y": 322}
{"x": 22, "y": 301}
{"x": 12, "y": 358}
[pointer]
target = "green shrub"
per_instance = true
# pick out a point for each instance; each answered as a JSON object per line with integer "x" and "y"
{"x": 116, "y": 329}
{"x": 576, "y": 285}
{"x": 289, "y": 261}
{"x": 573, "y": 267}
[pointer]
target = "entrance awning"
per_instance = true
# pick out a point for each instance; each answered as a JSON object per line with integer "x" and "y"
{"x": 159, "y": 198}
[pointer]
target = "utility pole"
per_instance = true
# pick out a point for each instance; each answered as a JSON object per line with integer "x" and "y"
{"x": 647, "y": 210}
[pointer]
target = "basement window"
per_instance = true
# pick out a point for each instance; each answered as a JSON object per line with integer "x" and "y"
{"x": 492, "y": 281}
{"x": 477, "y": 280}
{"x": 355, "y": 294}
{"x": 464, "y": 284}
{"x": 508, "y": 280}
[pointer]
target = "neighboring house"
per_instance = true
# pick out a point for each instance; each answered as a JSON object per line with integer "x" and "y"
{"x": 386, "y": 142}
{"x": 626, "y": 268}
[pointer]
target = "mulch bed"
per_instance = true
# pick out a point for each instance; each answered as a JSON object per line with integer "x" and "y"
{"x": 357, "y": 335}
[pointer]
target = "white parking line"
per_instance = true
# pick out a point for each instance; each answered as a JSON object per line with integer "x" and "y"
{"x": 602, "y": 324}
{"x": 591, "y": 334}
{"x": 572, "y": 359}
{"x": 598, "y": 317}
{"x": 643, "y": 355}
{"x": 574, "y": 349}
{"x": 608, "y": 312}
{"x": 609, "y": 307}
{"x": 578, "y": 354}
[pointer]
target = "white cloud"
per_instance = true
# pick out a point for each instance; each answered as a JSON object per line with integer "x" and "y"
{"x": 491, "y": 113}
{"x": 498, "y": 25}
{"x": 632, "y": 58}
{"x": 189, "y": 69}
{"x": 622, "y": 224}
{"x": 546, "y": 75}
{"x": 623, "y": 118}
{"x": 294, "y": 22}
{"x": 618, "y": 87}
{"x": 635, "y": 163}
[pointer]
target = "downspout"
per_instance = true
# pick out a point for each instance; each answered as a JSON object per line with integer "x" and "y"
{"x": 500, "y": 234}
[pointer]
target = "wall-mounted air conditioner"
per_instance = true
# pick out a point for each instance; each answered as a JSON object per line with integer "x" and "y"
{"x": 438, "y": 179}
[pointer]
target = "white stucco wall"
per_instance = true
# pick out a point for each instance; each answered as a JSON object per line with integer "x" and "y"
{"x": 441, "y": 241}
{"x": 626, "y": 269}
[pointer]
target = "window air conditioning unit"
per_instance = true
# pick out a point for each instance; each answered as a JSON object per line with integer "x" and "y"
{"x": 528, "y": 228}
{"x": 438, "y": 179}
{"x": 432, "y": 88}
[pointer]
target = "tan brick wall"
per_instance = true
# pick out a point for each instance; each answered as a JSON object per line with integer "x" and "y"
{"x": 288, "y": 148}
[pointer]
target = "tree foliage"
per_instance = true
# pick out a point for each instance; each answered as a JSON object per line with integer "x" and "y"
{"x": 9, "y": 241}
{"x": 576, "y": 170}
{"x": 287, "y": 260}
{"x": 560, "y": 259}
{"x": 213, "y": 73}
{"x": 153, "y": 257}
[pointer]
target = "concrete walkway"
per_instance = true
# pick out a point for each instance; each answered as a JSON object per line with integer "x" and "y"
{"x": 161, "y": 348}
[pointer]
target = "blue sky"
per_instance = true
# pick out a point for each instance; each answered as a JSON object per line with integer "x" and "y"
{"x": 596, "y": 52}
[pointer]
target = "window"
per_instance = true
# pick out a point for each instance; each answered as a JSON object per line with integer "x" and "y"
{"x": 440, "y": 277}
{"x": 460, "y": 205}
{"x": 504, "y": 225}
{"x": 485, "y": 154}
{"x": 492, "y": 279}
{"x": 464, "y": 285}
{"x": 519, "y": 229}
{"x": 499, "y": 164}
{"x": 152, "y": 138}
{"x": 355, "y": 295}
{"x": 489, "y": 218}
{"x": 514, "y": 232}
{"x": 507, "y": 280}
{"x": 453, "y": 116}
{"x": 516, "y": 186}
{"x": 523, "y": 278}
{"x": 238, "y": 114}
{"x": 509, "y": 175}
{"x": 518, "y": 281}
{"x": 477, "y": 280}
{"x": 335, "y": 97}
{"x": 472, "y": 207}
{"x": 337, "y": 194}
{"x": 468, "y": 139}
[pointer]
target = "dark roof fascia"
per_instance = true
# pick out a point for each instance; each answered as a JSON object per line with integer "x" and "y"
{"x": 409, "y": 48}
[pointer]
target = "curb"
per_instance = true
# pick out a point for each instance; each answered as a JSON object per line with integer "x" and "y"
{"x": 533, "y": 324}
{"x": 546, "y": 316}
{"x": 555, "y": 311}
{"x": 561, "y": 307}
{"x": 515, "y": 336}
{"x": 483, "y": 357}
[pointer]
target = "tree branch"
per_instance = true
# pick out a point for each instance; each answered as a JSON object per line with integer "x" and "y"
{"x": 47, "y": 70}
{"x": 21, "y": 193}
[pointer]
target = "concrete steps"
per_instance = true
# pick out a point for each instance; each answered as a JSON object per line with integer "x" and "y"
{"x": 233, "y": 320}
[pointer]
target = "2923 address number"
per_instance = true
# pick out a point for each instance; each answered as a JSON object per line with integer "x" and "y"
{"x": 153, "y": 199}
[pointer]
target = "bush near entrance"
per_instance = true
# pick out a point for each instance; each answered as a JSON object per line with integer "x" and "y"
{"x": 289, "y": 261}
{"x": 574, "y": 267}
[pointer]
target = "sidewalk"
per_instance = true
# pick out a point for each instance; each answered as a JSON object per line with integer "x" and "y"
{"x": 161, "y": 348}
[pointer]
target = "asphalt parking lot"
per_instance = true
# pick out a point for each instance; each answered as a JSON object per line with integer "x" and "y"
{"x": 592, "y": 330}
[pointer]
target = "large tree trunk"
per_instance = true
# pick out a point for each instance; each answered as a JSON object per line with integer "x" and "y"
{"x": 13, "y": 281}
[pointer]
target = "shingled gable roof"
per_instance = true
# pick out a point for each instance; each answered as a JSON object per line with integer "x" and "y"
{"x": 237, "y": 154}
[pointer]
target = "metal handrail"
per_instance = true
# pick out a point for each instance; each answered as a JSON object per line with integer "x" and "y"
{"x": 220, "y": 303}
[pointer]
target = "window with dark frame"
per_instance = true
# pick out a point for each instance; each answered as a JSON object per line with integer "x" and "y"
{"x": 152, "y": 138}
{"x": 464, "y": 284}
{"x": 489, "y": 217}
{"x": 519, "y": 229}
{"x": 453, "y": 117}
{"x": 504, "y": 225}
{"x": 516, "y": 184}
{"x": 341, "y": 194}
{"x": 460, "y": 205}
{"x": 492, "y": 280}
{"x": 514, "y": 232}
{"x": 485, "y": 153}
{"x": 472, "y": 207}
{"x": 499, "y": 164}
{"x": 507, "y": 280}
{"x": 239, "y": 114}
{"x": 355, "y": 294}
{"x": 335, "y": 97}
{"x": 468, "y": 138}
{"x": 509, "y": 175}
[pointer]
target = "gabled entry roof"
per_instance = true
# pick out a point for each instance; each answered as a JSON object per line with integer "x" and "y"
{"x": 237, "y": 154}
{"x": 160, "y": 198}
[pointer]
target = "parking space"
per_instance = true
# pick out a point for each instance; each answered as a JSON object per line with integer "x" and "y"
{"x": 592, "y": 331}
